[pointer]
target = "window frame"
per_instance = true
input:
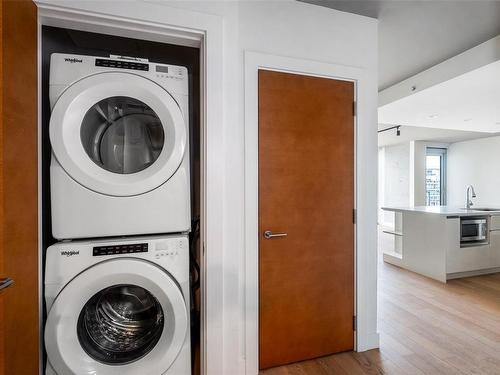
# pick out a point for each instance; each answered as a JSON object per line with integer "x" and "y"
{"x": 442, "y": 153}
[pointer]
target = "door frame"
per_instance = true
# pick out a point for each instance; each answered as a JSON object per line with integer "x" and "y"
{"x": 365, "y": 259}
{"x": 167, "y": 24}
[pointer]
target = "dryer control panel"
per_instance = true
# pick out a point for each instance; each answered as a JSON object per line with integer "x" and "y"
{"x": 120, "y": 249}
{"x": 122, "y": 64}
{"x": 169, "y": 248}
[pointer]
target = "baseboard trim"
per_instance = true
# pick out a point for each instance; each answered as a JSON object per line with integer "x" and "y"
{"x": 370, "y": 341}
{"x": 459, "y": 275}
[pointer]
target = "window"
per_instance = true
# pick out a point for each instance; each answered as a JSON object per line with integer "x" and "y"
{"x": 435, "y": 177}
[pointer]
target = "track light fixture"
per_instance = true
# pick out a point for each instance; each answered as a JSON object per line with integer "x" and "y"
{"x": 398, "y": 131}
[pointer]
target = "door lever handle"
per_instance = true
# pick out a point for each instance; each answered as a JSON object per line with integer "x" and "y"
{"x": 268, "y": 234}
{"x": 6, "y": 282}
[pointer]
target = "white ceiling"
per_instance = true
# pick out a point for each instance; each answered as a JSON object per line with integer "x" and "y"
{"x": 469, "y": 102}
{"x": 415, "y": 35}
{"x": 412, "y": 133}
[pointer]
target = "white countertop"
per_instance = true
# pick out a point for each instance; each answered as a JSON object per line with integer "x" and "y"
{"x": 443, "y": 210}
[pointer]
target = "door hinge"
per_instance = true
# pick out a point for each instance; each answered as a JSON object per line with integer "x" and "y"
{"x": 354, "y": 108}
{"x": 354, "y": 216}
{"x": 354, "y": 323}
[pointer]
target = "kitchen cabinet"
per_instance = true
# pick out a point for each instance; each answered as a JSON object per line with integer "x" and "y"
{"x": 495, "y": 223}
{"x": 495, "y": 246}
{"x": 431, "y": 243}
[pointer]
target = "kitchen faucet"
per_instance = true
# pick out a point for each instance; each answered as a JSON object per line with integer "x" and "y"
{"x": 468, "y": 199}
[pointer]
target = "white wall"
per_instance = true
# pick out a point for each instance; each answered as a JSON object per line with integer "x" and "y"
{"x": 394, "y": 181}
{"x": 297, "y": 30}
{"x": 476, "y": 163}
{"x": 402, "y": 176}
{"x": 381, "y": 185}
{"x": 418, "y": 150}
{"x": 293, "y": 29}
{"x": 397, "y": 175}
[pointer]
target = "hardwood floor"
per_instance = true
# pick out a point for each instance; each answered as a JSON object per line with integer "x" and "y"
{"x": 426, "y": 327}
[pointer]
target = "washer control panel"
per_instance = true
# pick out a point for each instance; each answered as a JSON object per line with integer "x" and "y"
{"x": 120, "y": 249}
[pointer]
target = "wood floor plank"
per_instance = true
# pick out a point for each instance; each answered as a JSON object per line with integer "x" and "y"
{"x": 386, "y": 365}
{"x": 331, "y": 367}
{"x": 347, "y": 362}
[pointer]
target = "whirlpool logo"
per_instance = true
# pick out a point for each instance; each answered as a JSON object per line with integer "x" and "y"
{"x": 73, "y": 60}
{"x": 70, "y": 253}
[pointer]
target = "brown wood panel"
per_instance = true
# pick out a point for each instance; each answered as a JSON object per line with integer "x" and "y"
{"x": 306, "y": 189}
{"x": 18, "y": 149}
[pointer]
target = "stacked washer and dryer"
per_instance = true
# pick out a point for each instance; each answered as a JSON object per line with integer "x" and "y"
{"x": 117, "y": 283}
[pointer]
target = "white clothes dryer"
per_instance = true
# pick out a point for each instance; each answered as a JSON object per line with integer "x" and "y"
{"x": 120, "y": 147}
{"x": 118, "y": 307}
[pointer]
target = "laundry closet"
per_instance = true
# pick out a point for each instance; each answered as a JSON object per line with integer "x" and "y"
{"x": 120, "y": 187}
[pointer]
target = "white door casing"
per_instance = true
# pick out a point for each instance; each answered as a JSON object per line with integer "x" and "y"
{"x": 366, "y": 336}
{"x": 169, "y": 24}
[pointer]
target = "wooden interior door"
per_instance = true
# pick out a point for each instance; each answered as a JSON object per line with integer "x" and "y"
{"x": 19, "y": 318}
{"x": 306, "y": 191}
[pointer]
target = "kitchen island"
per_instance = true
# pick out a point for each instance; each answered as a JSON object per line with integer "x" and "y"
{"x": 428, "y": 240}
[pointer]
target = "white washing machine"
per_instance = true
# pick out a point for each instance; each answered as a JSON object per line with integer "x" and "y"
{"x": 120, "y": 147}
{"x": 118, "y": 307}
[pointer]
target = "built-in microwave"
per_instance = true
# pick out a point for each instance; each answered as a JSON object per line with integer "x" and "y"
{"x": 473, "y": 231}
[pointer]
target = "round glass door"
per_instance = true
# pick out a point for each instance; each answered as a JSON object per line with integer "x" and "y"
{"x": 122, "y": 134}
{"x": 117, "y": 317}
{"x": 120, "y": 324}
{"x": 118, "y": 134}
